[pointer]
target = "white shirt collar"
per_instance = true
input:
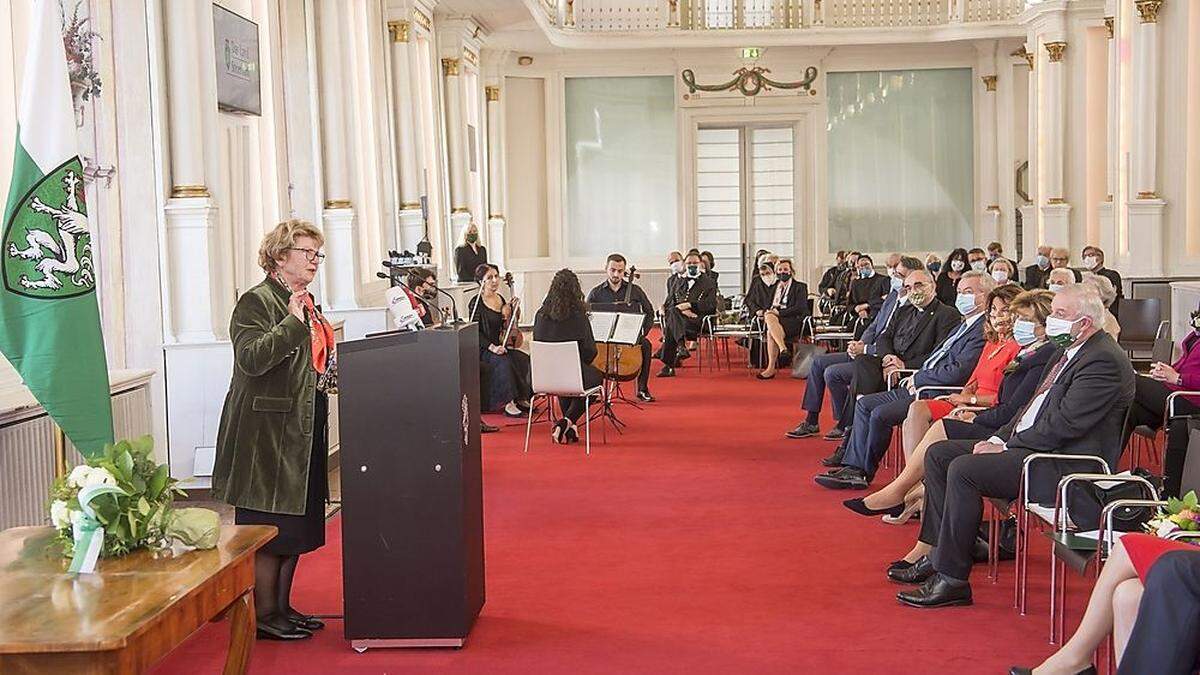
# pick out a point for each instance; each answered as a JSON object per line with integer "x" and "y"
{"x": 972, "y": 320}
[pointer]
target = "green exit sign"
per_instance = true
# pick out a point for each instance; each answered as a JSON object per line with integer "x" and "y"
{"x": 751, "y": 53}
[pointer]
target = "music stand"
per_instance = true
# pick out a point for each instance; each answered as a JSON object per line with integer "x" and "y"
{"x": 622, "y": 328}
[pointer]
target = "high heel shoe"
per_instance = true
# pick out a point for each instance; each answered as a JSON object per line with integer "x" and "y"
{"x": 559, "y": 431}
{"x": 909, "y": 512}
{"x": 1018, "y": 670}
{"x": 859, "y": 506}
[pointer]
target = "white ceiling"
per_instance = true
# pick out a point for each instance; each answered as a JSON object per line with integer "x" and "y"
{"x": 508, "y": 23}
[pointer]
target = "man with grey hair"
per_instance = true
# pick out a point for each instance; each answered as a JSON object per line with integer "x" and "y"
{"x": 1078, "y": 408}
{"x": 1108, "y": 296}
{"x": 875, "y": 415}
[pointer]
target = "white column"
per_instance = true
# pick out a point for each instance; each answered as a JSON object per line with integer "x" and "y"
{"x": 338, "y": 215}
{"x": 1055, "y": 209}
{"x": 1108, "y": 229}
{"x": 1031, "y": 214}
{"x": 191, "y": 216}
{"x": 989, "y": 222}
{"x": 460, "y": 213}
{"x": 1146, "y": 208}
{"x": 495, "y": 154}
{"x": 412, "y": 227}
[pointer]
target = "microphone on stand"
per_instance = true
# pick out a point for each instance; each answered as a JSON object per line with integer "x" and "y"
{"x": 478, "y": 299}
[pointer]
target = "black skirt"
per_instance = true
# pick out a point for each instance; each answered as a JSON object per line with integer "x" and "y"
{"x": 301, "y": 534}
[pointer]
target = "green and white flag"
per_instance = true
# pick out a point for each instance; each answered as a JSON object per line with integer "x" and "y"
{"x": 49, "y": 317}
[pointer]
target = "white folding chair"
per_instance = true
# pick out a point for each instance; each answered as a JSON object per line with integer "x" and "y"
{"x": 556, "y": 371}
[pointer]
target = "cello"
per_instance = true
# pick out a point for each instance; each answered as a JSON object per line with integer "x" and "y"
{"x": 620, "y": 363}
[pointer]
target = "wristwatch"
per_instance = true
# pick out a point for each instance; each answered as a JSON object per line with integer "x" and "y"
{"x": 974, "y": 400}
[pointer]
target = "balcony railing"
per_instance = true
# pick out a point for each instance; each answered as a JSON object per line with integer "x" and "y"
{"x": 724, "y": 15}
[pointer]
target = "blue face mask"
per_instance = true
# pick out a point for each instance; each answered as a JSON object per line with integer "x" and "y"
{"x": 935, "y": 267}
{"x": 1042, "y": 261}
{"x": 897, "y": 283}
{"x": 1055, "y": 288}
{"x": 1023, "y": 332}
{"x": 965, "y": 303}
{"x": 865, "y": 272}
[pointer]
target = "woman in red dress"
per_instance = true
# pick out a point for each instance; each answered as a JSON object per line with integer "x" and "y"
{"x": 1113, "y": 605}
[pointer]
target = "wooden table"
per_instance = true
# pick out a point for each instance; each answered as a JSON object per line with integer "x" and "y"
{"x": 129, "y": 614}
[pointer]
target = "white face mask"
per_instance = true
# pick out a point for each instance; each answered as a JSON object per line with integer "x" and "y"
{"x": 677, "y": 266}
{"x": 979, "y": 265}
{"x": 1091, "y": 262}
{"x": 768, "y": 279}
{"x": 1001, "y": 276}
{"x": 957, "y": 265}
{"x": 1055, "y": 288}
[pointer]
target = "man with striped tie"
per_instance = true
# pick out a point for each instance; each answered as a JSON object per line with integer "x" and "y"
{"x": 1078, "y": 408}
{"x": 949, "y": 365}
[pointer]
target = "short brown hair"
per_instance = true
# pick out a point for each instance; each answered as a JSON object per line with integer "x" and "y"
{"x": 615, "y": 257}
{"x": 1036, "y": 301}
{"x": 283, "y": 237}
{"x": 1007, "y": 293}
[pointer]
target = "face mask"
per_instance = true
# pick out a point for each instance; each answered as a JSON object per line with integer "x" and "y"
{"x": 917, "y": 297}
{"x": 965, "y": 303}
{"x": 866, "y": 272}
{"x": 934, "y": 267}
{"x": 677, "y": 267}
{"x": 897, "y": 283}
{"x": 785, "y": 276}
{"x": 1059, "y": 331}
{"x": 902, "y": 301}
{"x": 1055, "y": 288}
{"x": 1196, "y": 320}
{"x": 979, "y": 265}
{"x": 993, "y": 256}
{"x": 1091, "y": 262}
{"x": 1042, "y": 261}
{"x": 957, "y": 265}
{"x": 1023, "y": 332}
{"x": 1000, "y": 276}
{"x": 472, "y": 238}
{"x": 693, "y": 271}
{"x": 768, "y": 279}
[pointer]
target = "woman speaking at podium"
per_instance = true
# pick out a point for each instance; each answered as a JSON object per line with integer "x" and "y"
{"x": 271, "y": 444}
{"x": 563, "y": 317}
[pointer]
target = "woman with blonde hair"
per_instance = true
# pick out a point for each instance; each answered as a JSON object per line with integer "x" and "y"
{"x": 271, "y": 443}
{"x": 469, "y": 254}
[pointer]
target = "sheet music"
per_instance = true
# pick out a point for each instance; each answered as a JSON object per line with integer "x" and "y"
{"x": 628, "y": 329}
{"x": 603, "y": 324}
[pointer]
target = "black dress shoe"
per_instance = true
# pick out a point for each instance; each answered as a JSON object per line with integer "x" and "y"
{"x": 859, "y": 506}
{"x": 765, "y": 377}
{"x": 804, "y": 430}
{"x": 281, "y": 629}
{"x": 834, "y": 434}
{"x": 485, "y": 428}
{"x": 900, "y": 564}
{"x": 667, "y": 371}
{"x": 645, "y": 396}
{"x": 309, "y": 623}
{"x": 1018, "y": 670}
{"x": 849, "y": 478}
{"x": 835, "y": 459}
{"x": 937, "y": 591}
{"x": 915, "y": 573}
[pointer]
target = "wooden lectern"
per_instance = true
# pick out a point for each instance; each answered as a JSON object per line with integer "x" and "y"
{"x": 412, "y": 491}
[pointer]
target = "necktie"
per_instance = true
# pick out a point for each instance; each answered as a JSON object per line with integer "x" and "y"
{"x": 1045, "y": 385}
{"x": 941, "y": 351}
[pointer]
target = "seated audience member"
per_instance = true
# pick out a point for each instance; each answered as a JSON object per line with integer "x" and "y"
{"x": 613, "y": 290}
{"x": 762, "y": 288}
{"x": 1035, "y": 274}
{"x": 977, "y": 259}
{"x": 709, "y": 266}
{"x": 1059, "y": 278}
{"x": 689, "y": 298}
{"x": 845, "y": 278}
{"x": 563, "y": 317}
{"x": 868, "y": 290}
{"x": 1150, "y": 403}
{"x": 675, "y": 264}
{"x": 1078, "y": 408}
{"x": 827, "y": 286}
{"x": 1003, "y": 271}
{"x": 507, "y": 369}
{"x": 835, "y": 370}
{"x": 1060, "y": 258}
{"x": 1021, "y": 378}
{"x": 785, "y": 316}
{"x": 1104, "y": 288}
{"x": 950, "y": 364}
{"x": 947, "y": 280}
{"x": 1156, "y": 581}
{"x": 981, "y": 389}
{"x": 1093, "y": 261}
{"x": 933, "y": 264}
{"x": 995, "y": 251}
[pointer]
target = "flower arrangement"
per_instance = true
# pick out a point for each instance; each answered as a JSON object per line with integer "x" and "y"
{"x": 79, "y": 43}
{"x": 1178, "y": 514}
{"x": 121, "y": 501}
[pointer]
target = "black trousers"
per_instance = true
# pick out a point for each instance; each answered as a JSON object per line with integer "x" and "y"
{"x": 868, "y": 379}
{"x": 643, "y": 379}
{"x": 955, "y": 482}
{"x": 1166, "y": 636}
{"x": 1148, "y": 408}
{"x": 575, "y": 407}
{"x": 676, "y": 329}
{"x": 957, "y": 430}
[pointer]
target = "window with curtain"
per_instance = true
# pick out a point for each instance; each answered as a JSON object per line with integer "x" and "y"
{"x": 901, "y": 161}
{"x": 621, "y": 166}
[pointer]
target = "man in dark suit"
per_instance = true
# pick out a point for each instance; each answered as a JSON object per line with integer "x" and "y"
{"x": 690, "y": 297}
{"x": 1164, "y": 639}
{"x": 829, "y": 279}
{"x": 995, "y": 251}
{"x": 868, "y": 290}
{"x": 950, "y": 364}
{"x": 835, "y": 370}
{"x": 1093, "y": 261}
{"x": 1078, "y": 408}
{"x": 614, "y": 290}
{"x": 1035, "y": 274}
{"x": 842, "y": 286}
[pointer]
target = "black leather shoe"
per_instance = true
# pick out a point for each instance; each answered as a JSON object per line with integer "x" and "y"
{"x": 849, "y": 478}
{"x": 645, "y": 396}
{"x": 309, "y": 623}
{"x": 937, "y": 591}
{"x": 915, "y": 573}
{"x": 858, "y": 506}
{"x": 667, "y": 371}
{"x": 900, "y": 564}
{"x": 834, "y": 434}
{"x": 804, "y": 431}
{"x": 835, "y": 459}
{"x": 1018, "y": 670}
{"x": 485, "y": 428}
{"x": 281, "y": 629}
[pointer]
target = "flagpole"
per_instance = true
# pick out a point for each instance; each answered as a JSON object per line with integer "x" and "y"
{"x": 60, "y": 451}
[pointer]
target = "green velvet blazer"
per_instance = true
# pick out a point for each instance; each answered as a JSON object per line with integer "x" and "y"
{"x": 264, "y": 442}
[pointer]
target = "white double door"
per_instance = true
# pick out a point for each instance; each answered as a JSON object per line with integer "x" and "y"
{"x": 744, "y": 197}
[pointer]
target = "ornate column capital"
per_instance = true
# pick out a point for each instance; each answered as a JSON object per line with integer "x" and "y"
{"x": 1148, "y": 10}
{"x": 398, "y": 30}
{"x": 989, "y": 82}
{"x": 492, "y": 93}
{"x": 450, "y": 67}
{"x": 1056, "y": 50}
{"x": 1025, "y": 54}
{"x": 1108, "y": 26}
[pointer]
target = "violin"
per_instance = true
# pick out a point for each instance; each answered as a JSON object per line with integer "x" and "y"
{"x": 621, "y": 363}
{"x": 512, "y": 338}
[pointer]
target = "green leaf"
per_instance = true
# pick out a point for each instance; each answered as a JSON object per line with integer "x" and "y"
{"x": 158, "y": 481}
{"x": 1174, "y": 505}
{"x": 125, "y": 464}
{"x": 1190, "y": 501}
{"x": 143, "y": 506}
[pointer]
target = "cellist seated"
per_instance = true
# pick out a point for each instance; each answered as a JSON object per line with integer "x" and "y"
{"x": 616, "y": 290}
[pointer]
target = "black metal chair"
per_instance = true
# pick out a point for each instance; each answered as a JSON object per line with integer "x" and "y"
{"x": 1140, "y": 322}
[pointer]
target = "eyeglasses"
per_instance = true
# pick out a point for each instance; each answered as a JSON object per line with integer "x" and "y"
{"x": 310, "y": 254}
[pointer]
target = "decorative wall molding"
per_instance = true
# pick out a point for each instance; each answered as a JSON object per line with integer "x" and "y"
{"x": 398, "y": 30}
{"x": 189, "y": 191}
{"x": 422, "y": 19}
{"x": 1148, "y": 10}
{"x": 338, "y": 204}
{"x": 1025, "y": 54}
{"x": 492, "y": 93}
{"x": 1108, "y": 26}
{"x": 750, "y": 81}
{"x": 450, "y": 67}
{"x": 989, "y": 82}
{"x": 1056, "y": 50}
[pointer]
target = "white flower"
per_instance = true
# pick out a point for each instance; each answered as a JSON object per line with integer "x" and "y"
{"x": 85, "y": 476}
{"x": 78, "y": 475}
{"x": 60, "y": 515}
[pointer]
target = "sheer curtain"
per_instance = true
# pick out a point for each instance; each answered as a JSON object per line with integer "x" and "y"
{"x": 901, "y": 162}
{"x": 621, "y": 166}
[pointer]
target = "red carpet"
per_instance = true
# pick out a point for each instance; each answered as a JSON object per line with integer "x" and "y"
{"x": 694, "y": 543}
